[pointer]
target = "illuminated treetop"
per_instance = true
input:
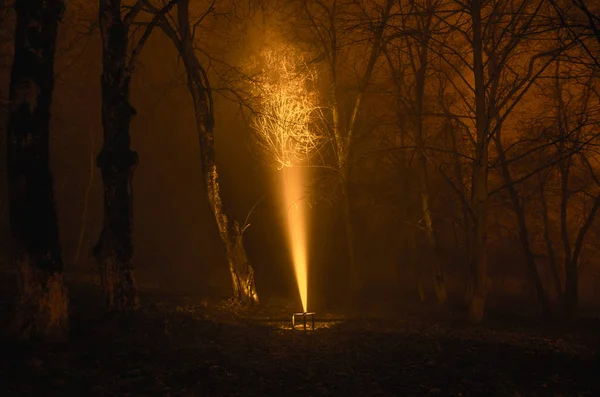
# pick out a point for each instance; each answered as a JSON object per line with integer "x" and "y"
{"x": 288, "y": 121}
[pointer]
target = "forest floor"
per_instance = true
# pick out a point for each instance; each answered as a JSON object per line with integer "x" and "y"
{"x": 183, "y": 346}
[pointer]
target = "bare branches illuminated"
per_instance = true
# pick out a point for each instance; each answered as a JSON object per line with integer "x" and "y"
{"x": 288, "y": 123}
{"x": 288, "y": 127}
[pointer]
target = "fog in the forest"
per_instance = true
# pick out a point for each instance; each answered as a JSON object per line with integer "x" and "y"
{"x": 176, "y": 242}
{"x": 177, "y": 246}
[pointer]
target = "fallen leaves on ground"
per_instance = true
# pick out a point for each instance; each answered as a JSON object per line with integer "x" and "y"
{"x": 227, "y": 353}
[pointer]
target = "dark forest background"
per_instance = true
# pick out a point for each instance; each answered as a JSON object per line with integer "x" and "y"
{"x": 177, "y": 246}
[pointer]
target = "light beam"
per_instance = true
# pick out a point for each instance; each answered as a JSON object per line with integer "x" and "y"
{"x": 288, "y": 125}
{"x": 293, "y": 182}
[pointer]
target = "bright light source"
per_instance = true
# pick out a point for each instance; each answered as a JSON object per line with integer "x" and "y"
{"x": 296, "y": 227}
{"x": 288, "y": 126}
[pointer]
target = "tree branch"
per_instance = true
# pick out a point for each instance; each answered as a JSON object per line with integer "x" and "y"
{"x": 149, "y": 28}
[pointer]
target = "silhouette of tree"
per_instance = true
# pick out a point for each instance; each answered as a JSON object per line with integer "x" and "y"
{"x": 42, "y": 308}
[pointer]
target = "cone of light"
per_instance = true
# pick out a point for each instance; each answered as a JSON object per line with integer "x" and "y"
{"x": 287, "y": 126}
{"x": 296, "y": 227}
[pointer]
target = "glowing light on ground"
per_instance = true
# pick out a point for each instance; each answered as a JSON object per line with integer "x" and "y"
{"x": 293, "y": 183}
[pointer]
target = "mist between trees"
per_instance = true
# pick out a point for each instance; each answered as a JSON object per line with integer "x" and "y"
{"x": 455, "y": 163}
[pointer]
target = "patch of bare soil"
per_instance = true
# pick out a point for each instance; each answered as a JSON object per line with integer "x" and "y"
{"x": 192, "y": 347}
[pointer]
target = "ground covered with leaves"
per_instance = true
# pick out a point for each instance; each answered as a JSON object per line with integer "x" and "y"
{"x": 182, "y": 346}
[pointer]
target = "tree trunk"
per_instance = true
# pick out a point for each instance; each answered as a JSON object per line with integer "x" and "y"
{"x": 439, "y": 284}
{"x": 466, "y": 218}
{"x": 572, "y": 268}
{"x": 343, "y": 139}
{"x": 242, "y": 274}
{"x": 341, "y": 143}
{"x": 86, "y": 200}
{"x": 564, "y": 166}
{"x": 571, "y": 289}
{"x": 342, "y": 147}
{"x": 477, "y": 303}
{"x": 571, "y": 272}
{"x": 479, "y": 193}
{"x": 519, "y": 211}
{"x": 114, "y": 250}
{"x": 550, "y": 247}
{"x": 341, "y": 152}
{"x": 42, "y": 306}
{"x": 354, "y": 271}
{"x": 408, "y": 230}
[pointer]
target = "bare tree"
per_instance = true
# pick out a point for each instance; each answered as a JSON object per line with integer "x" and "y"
{"x": 42, "y": 308}
{"x": 287, "y": 122}
{"x": 413, "y": 36}
{"x": 548, "y": 242}
{"x": 573, "y": 127}
{"x": 329, "y": 22}
{"x": 555, "y": 147}
{"x": 592, "y": 15}
{"x": 518, "y": 206}
{"x": 569, "y": 144}
{"x": 582, "y": 20}
{"x": 503, "y": 67}
{"x": 117, "y": 162}
{"x": 180, "y": 28}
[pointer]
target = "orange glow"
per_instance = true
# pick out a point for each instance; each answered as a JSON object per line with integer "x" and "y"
{"x": 288, "y": 120}
{"x": 293, "y": 183}
{"x": 289, "y": 126}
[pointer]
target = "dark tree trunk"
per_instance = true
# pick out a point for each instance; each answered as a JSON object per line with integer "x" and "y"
{"x": 519, "y": 210}
{"x": 572, "y": 268}
{"x": 439, "y": 283}
{"x": 467, "y": 219}
{"x": 571, "y": 290}
{"x": 42, "y": 308}
{"x": 117, "y": 163}
{"x": 550, "y": 245}
{"x": 479, "y": 188}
